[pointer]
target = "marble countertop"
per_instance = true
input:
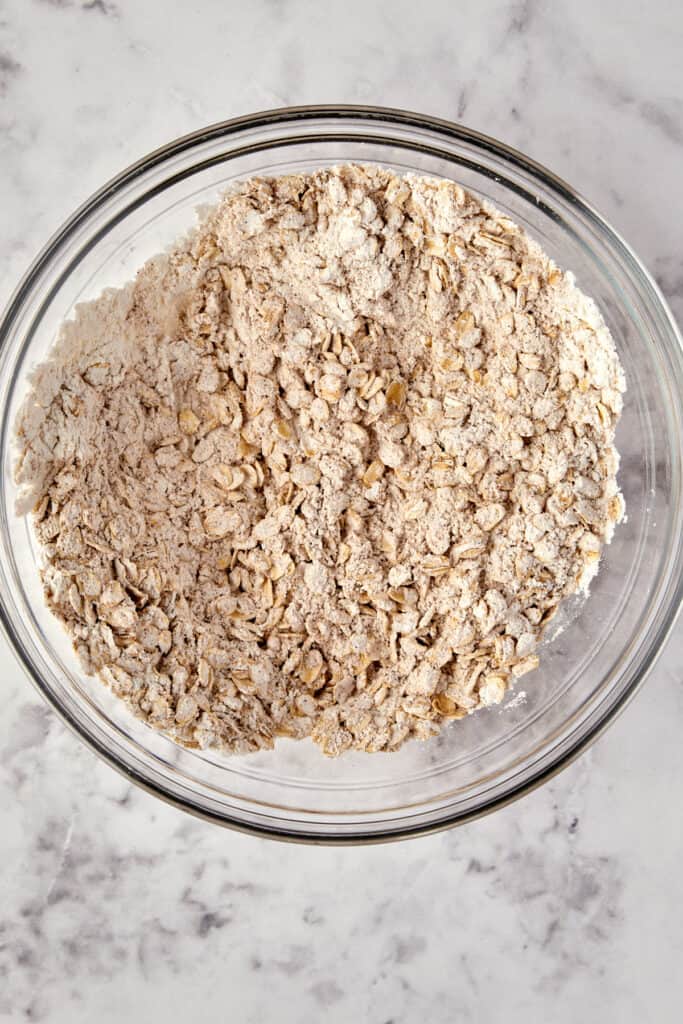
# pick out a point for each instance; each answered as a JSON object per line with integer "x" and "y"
{"x": 565, "y": 906}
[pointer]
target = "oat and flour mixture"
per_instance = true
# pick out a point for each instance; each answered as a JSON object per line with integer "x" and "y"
{"x": 327, "y": 468}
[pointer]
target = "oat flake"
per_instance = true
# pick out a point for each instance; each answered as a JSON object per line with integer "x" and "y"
{"x": 325, "y": 469}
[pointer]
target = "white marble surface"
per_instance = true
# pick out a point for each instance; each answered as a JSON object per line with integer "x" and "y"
{"x": 567, "y": 905}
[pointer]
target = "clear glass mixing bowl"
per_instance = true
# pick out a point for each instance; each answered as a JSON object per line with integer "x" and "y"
{"x": 589, "y": 668}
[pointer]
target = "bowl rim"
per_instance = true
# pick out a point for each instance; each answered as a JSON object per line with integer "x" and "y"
{"x": 345, "y": 113}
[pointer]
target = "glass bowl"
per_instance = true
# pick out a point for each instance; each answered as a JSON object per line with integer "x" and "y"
{"x": 603, "y": 647}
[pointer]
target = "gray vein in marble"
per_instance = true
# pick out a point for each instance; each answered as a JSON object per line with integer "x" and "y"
{"x": 670, "y": 280}
{"x": 326, "y": 993}
{"x": 664, "y": 114}
{"x": 110, "y": 10}
{"x": 521, "y": 15}
{"x": 9, "y": 69}
{"x": 105, "y": 7}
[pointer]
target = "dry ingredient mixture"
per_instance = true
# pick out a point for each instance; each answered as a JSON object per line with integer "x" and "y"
{"x": 327, "y": 468}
